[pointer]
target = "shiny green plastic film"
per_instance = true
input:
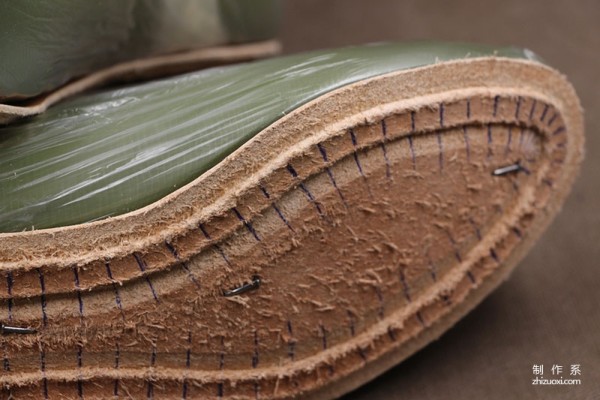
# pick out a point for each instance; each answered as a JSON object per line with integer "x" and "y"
{"x": 107, "y": 153}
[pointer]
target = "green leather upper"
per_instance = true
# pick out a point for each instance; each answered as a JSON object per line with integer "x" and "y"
{"x": 44, "y": 44}
{"x": 107, "y": 153}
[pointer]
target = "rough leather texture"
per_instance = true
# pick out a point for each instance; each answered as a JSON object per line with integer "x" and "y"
{"x": 547, "y": 311}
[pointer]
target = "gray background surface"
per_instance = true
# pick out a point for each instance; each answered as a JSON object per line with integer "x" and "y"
{"x": 548, "y": 312}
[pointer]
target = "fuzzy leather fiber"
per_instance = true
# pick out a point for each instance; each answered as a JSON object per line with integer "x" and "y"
{"x": 547, "y": 312}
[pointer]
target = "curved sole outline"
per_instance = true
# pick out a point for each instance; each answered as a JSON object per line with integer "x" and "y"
{"x": 573, "y": 156}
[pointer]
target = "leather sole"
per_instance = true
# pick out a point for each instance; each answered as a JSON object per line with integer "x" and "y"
{"x": 330, "y": 247}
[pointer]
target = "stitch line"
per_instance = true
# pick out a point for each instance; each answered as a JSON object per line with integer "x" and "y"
{"x": 388, "y": 172}
{"x": 142, "y": 265}
{"x": 43, "y": 370}
{"x": 330, "y": 173}
{"x": 292, "y": 342}
{"x": 277, "y": 210}
{"x": 303, "y": 187}
{"x": 216, "y": 245}
{"x": 496, "y": 100}
{"x": 115, "y": 288}
{"x": 43, "y": 297}
{"x": 184, "y": 265}
{"x": 78, "y": 290}
{"x": 246, "y": 223}
{"x": 468, "y": 109}
{"x": 353, "y": 138}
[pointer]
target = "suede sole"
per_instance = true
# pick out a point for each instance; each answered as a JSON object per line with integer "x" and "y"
{"x": 371, "y": 215}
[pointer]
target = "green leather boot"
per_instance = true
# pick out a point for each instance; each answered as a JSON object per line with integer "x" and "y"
{"x": 282, "y": 228}
{"x": 53, "y": 50}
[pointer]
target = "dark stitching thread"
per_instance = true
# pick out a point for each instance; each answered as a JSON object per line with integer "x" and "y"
{"x": 351, "y": 323}
{"x": 308, "y": 194}
{"x": 43, "y": 297}
{"x": 150, "y": 384}
{"x": 490, "y": 140}
{"x": 432, "y": 269}
{"x": 441, "y": 115}
{"x": 558, "y": 131}
{"x": 421, "y": 319}
{"x": 543, "y": 116}
{"x": 517, "y": 232}
{"x": 412, "y": 153}
{"x": 221, "y": 366}
{"x": 353, "y": 138}
{"x": 78, "y": 290}
{"x": 410, "y": 140}
{"x": 184, "y": 265}
{"x": 388, "y": 172}
{"x": 5, "y": 361}
{"x": 519, "y": 100}
{"x": 117, "y": 357}
{"x": 381, "y": 312}
{"x": 246, "y": 223}
{"x": 255, "y": 358}
{"x": 216, "y": 246}
{"x": 153, "y": 356}
{"x": 532, "y": 109}
{"x": 116, "y": 289}
{"x": 494, "y": 255}
{"x": 361, "y": 353}
{"x": 6, "y": 368}
{"x": 292, "y": 341}
{"x": 330, "y": 173}
{"x": 551, "y": 120}
{"x": 324, "y": 339}
{"x": 477, "y": 231}
{"x": 222, "y": 354}
{"x": 391, "y": 334}
{"x": 285, "y": 221}
{"x": 43, "y": 369}
{"x": 471, "y": 277}
{"x": 323, "y": 336}
{"x": 468, "y": 108}
{"x": 142, "y": 266}
{"x": 454, "y": 245}
{"x": 496, "y": 100}
{"x": 150, "y": 390}
{"x": 446, "y": 299}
